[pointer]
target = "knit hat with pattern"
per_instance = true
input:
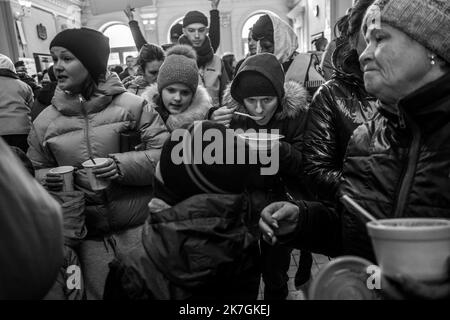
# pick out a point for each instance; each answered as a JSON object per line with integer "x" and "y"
{"x": 180, "y": 66}
{"x": 425, "y": 21}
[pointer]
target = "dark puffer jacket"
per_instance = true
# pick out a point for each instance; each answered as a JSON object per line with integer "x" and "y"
{"x": 201, "y": 248}
{"x": 339, "y": 107}
{"x": 396, "y": 166}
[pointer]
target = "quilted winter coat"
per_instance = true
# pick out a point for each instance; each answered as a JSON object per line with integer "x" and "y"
{"x": 72, "y": 130}
{"x": 338, "y": 107}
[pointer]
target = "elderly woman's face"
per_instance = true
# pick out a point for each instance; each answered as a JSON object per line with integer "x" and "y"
{"x": 69, "y": 71}
{"x": 394, "y": 65}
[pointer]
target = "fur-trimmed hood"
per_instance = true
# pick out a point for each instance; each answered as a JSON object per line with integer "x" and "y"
{"x": 198, "y": 110}
{"x": 293, "y": 103}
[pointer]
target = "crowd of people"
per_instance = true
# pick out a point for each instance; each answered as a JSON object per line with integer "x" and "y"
{"x": 366, "y": 116}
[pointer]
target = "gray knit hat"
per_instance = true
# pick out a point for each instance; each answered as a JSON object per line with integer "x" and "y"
{"x": 180, "y": 66}
{"x": 426, "y": 21}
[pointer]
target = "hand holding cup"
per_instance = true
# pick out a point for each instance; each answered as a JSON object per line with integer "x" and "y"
{"x": 54, "y": 182}
{"x": 106, "y": 170}
{"x": 60, "y": 179}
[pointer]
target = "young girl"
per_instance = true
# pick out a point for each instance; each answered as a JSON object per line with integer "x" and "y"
{"x": 177, "y": 97}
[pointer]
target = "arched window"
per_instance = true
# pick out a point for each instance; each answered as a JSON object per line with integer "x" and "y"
{"x": 248, "y": 24}
{"x": 121, "y": 43}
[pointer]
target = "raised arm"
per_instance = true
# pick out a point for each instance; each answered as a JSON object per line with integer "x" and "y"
{"x": 138, "y": 37}
{"x": 214, "y": 28}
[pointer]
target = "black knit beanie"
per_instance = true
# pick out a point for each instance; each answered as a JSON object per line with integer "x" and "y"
{"x": 194, "y": 17}
{"x": 89, "y": 46}
{"x": 263, "y": 29}
{"x": 259, "y": 75}
{"x": 185, "y": 179}
{"x": 253, "y": 84}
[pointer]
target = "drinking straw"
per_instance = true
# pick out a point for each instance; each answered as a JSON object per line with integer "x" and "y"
{"x": 347, "y": 200}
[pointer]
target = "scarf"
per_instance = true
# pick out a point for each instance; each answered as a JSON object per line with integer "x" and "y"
{"x": 205, "y": 53}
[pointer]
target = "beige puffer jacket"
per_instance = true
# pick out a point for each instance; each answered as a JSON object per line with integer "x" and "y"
{"x": 71, "y": 131}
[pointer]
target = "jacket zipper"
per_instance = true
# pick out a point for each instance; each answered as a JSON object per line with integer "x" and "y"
{"x": 408, "y": 174}
{"x": 88, "y": 144}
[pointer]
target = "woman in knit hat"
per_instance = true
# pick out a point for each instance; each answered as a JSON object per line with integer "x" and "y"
{"x": 149, "y": 60}
{"x": 397, "y": 164}
{"x": 259, "y": 89}
{"x": 90, "y": 111}
{"x": 177, "y": 97}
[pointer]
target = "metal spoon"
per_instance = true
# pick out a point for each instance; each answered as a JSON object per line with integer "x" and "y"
{"x": 349, "y": 201}
{"x": 249, "y": 116}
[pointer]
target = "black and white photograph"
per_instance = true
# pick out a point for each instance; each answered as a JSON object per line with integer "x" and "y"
{"x": 239, "y": 158}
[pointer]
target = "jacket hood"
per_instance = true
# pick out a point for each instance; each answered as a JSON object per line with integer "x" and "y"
{"x": 197, "y": 240}
{"x": 294, "y": 102}
{"x": 198, "y": 110}
{"x": 285, "y": 39}
{"x": 6, "y": 63}
{"x": 266, "y": 65}
{"x": 69, "y": 104}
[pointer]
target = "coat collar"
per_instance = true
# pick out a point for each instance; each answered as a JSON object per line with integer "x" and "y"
{"x": 70, "y": 104}
{"x": 8, "y": 73}
{"x": 429, "y": 106}
{"x": 294, "y": 101}
{"x": 201, "y": 103}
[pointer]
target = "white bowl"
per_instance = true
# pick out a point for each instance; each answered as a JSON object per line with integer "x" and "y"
{"x": 261, "y": 140}
{"x": 418, "y": 247}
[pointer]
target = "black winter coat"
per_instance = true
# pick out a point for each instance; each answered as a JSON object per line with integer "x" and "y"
{"x": 339, "y": 107}
{"x": 396, "y": 166}
{"x": 201, "y": 248}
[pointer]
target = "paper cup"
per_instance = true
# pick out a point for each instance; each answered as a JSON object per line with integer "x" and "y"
{"x": 96, "y": 183}
{"x": 261, "y": 140}
{"x": 66, "y": 172}
{"x": 418, "y": 247}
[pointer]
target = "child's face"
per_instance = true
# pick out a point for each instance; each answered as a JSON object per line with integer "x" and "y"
{"x": 176, "y": 97}
{"x": 263, "y": 106}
